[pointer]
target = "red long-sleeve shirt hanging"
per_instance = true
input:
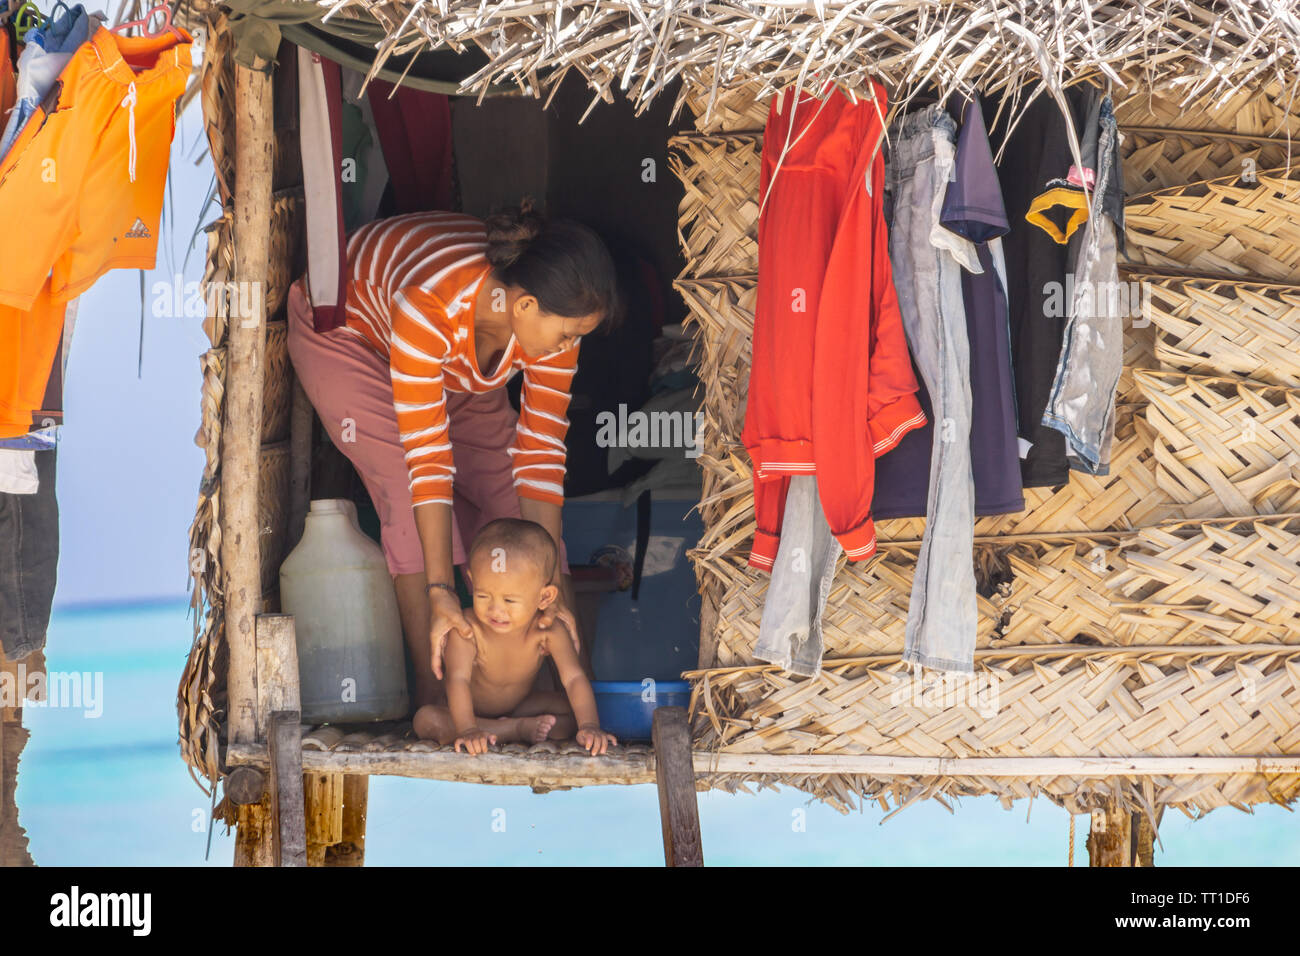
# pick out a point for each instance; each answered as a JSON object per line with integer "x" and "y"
{"x": 831, "y": 386}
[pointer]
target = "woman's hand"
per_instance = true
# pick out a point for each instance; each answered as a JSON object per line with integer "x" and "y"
{"x": 445, "y": 616}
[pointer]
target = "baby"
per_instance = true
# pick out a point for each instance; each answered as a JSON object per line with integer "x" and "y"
{"x": 490, "y": 674}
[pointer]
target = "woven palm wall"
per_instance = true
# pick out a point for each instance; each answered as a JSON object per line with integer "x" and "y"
{"x": 201, "y": 694}
{"x": 1151, "y": 612}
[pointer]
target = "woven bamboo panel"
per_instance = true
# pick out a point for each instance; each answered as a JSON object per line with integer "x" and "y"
{"x": 1159, "y": 159}
{"x": 1227, "y": 584}
{"x": 734, "y": 109}
{"x": 273, "y": 511}
{"x": 1216, "y": 327}
{"x": 1260, "y": 110}
{"x": 1221, "y": 227}
{"x": 1224, "y": 446}
{"x": 1022, "y": 703}
{"x": 277, "y": 386}
{"x": 718, "y": 215}
{"x": 288, "y": 222}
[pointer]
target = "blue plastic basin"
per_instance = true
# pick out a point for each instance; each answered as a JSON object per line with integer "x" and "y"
{"x": 627, "y": 707}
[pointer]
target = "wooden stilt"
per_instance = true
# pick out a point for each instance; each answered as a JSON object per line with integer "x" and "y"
{"x": 678, "y": 810}
{"x": 242, "y": 425}
{"x": 1143, "y": 841}
{"x": 324, "y": 814}
{"x": 1110, "y": 836}
{"x": 351, "y": 849}
{"x": 254, "y": 842}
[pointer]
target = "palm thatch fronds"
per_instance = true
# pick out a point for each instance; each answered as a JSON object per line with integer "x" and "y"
{"x": 1213, "y": 47}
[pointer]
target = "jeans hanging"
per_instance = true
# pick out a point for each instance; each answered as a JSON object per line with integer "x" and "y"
{"x": 927, "y": 260}
{"x": 790, "y": 633}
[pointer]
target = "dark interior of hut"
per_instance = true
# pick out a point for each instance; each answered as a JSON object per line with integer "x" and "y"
{"x": 628, "y": 519}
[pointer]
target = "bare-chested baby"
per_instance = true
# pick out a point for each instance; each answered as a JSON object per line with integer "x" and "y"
{"x": 490, "y": 674}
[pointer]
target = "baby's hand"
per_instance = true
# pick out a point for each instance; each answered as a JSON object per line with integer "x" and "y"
{"x": 595, "y": 740}
{"x": 476, "y": 741}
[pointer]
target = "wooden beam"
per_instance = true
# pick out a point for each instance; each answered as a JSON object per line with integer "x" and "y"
{"x": 992, "y": 766}
{"x": 289, "y": 827}
{"x": 351, "y": 849}
{"x": 242, "y": 423}
{"x": 245, "y": 786}
{"x": 276, "y": 662}
{"x": 544, "y": 771}
{"x": 678, "y": 809}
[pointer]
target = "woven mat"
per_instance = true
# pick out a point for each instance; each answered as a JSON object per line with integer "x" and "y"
{"x": 1224, "y": 446}
{"x": 1159, "y": 159}
{"x": 719, "y": 212}
{"x": 1219, "y": 327}
{"x": 1221, "y": 227}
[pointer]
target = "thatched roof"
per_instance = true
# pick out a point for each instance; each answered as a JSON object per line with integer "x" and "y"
{"x": 1211, "y": 47}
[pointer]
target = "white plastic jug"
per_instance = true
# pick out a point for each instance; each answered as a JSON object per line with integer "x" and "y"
{"x": 336, "y": 585}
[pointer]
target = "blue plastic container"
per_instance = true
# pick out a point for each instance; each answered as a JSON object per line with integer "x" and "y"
{"x": 627, "y": 707}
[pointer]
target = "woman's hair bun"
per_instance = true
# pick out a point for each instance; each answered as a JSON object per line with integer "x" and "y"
{"x": 509, "y": 232}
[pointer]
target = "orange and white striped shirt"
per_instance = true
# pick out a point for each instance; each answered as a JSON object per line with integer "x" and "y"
{"x": 413, "y": 282}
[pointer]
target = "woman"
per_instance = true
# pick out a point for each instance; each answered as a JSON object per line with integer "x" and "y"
{"x": 442, "y": 310}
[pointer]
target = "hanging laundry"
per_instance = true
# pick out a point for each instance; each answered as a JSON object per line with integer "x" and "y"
{"x": 8, "y": 69}
{"x": 1036, "y": 152}
{"x": 973, "y": 209}
{"x": 47, "y": 51}
{"x": 927, "y": 261}
{"x": 29, "y": 561}
{"x": 1082, "y": 402}
{"x": 87, "y": 172}
{"x": 18, "y": 472}
{"x": 831, "y": 387}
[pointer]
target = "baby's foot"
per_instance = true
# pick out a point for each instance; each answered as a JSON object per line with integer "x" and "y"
{"x": 535, "y": 729}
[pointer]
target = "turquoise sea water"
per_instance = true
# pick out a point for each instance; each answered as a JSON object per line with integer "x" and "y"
{"x": 113, "y": 790}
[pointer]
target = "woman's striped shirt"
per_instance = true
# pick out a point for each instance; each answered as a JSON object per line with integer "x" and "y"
{"x": 413, "y": 282}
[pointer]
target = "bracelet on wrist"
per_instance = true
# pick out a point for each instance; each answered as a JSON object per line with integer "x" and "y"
{"x": 440, "y": 584}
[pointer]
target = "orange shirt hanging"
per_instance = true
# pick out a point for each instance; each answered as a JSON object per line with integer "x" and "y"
{"x": 81, "y": 193}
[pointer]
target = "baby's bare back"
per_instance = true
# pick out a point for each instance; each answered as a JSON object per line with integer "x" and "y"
{"x": 505, "y": 667}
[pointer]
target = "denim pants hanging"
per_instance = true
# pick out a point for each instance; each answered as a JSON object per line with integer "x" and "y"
{"x": 790, "y": 633}
{"x": 927, "y": 260}
{"x": 29, "y": 559}
{"x": 1082, "y": 403}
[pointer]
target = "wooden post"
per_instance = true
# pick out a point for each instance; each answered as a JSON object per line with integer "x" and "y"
{"x": 675, "y": 772}
{"x": 277, "y": 720}
{"x": 242, "y": 427}
{"x": 351, "y": 849}
{"x": 276, "y": 668}
{"x": 289, "y": 830}
{"x": 1110, "y": 836}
